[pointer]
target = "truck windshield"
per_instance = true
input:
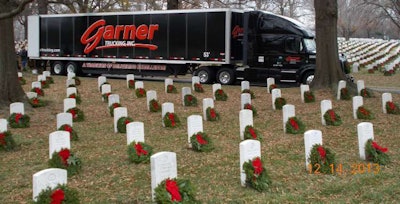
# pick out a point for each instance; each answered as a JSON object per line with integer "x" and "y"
{"x": 310, "y": 45}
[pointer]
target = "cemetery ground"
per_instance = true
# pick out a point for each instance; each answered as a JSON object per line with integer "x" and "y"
{"x": 108, "y": 177}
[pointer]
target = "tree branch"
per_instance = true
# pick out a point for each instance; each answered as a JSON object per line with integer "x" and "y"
{"x": 15, "y": 11}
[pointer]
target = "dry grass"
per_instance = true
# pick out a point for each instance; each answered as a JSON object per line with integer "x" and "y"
{"x": 108, "y": 177}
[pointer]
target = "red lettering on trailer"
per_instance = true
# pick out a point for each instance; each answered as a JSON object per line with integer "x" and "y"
{"x": 237, "y": 31}
{"x": 99, "y": 30}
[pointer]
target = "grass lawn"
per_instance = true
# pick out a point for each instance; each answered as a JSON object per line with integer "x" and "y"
{"x": 108, "y": 177}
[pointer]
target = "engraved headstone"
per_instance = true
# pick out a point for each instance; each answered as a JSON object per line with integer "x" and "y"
{"x": 245, "y": 98}
{"x": 58, "y": 140}
{"x": 113, "y": 98}
{"x": 3, "y": 125}
{"x": 325, "y": 106}
{"x": 31, "y": 95}
{"x": 360, "y": 86}
{"x": 150, "y": 95}
{"x": 245, "y": 85}
{"x": 207, "y": 102}
{"x": 69, "y": 103}
{"x": 194, "y": 125}
{"x": 185, "y": 91}
{"x": 100, "y": 81}
{"x": 167, "y": 82}
{"x": 17, "y": 107}
{"x": 163, "y": 166}
{"x": 357, "y": 102}
{"x": 118, "y": 113}
{"x": 48, "y": 178}
{"x": 342, "y": 84}
{"x": 128, "y": 78}
{"x": 304, "y": 88}
{"x": 365, "y": 131}
{"x": 311, "y": 137}
{"x": 249, "y": 149}
{"x": 134, "y": 132}
{"x": 195, "y": 80}
{"x": 245, "y": 119}
{"x": 215, "y": 87}
{"x": 386, "y": 97}
{"x": 36, "y": 84}
{"x": 270, "y": 81}
{"x": 64, "y": 119}
{"x": 71, "y": 90}
{"x": 166, "y": 108}
{"x": 288, "y": 111}
{"x": 276, "y": 93}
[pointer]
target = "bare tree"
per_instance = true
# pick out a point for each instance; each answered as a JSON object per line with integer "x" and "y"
{"x": 391, "y": 9}
{"x": 86, "y": 6}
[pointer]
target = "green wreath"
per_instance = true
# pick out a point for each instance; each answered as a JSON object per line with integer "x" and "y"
{"x": 18, "y": 120}
{"x": 376, "y": 153}
{"x": 295, "y": 126}
{"x": 321, "y": 159}
{"x": 332, "y": 118}
{"x": 366, "y": 93}
{"x": 59, "y": 194}
{"x": 220, "y": 95}
{"x": 392, "y": 108}
{"x": 7, "y": 142}
{"x": 49, "y": 80}
{"x": 198, "y": 88}
{"x": 73, "y": 135}
{"x": 77, "y": 81}
{"x": 363, "y": 113}
{"x": 256, "y": 174}
{"x": 190, "y": 100}
{"x": 171, "y": 89}
{"x": 251, "y": 133}
{"x": 77, "y": 114}
{"x": 309, "y": 97}
{"x": 65, "y": 159}
{"x": 37, "y": 102}
{"x": 131, "y": 84}
{"x": 201, "y": 142}
{"x": 271, "y": 87}
{"x": 112, "y": 107}
{"x": 389, "y": 72}
{"x": 154, "y": 106}
{"x": 139, "y": 152}
{"x": 37, "y": 90}
{"x": 140, "y": 93}
{"x": 44, "y": 84}
{"x": 212, "y": 114}
{"x": 174, "y": 191}
{"x": 77, "y": 98}
{"x": 345, "y": 94}
{"x": 122, "y": 122}
{"x": 22, "y": 80}
{"x": 279, "y": 103}
{"x": 105, "y": 96}
{"x": 171, "y": 120}
{"x": 248, "y": 106}
{"x": 252, "y": 95}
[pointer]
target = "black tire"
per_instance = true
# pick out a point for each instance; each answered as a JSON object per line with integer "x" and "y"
{"x": 307, "y": 77}
{"x": 58, "y": 68}
{"x": 72, "y": 67}
{"x": 206, "y": 75}
{"x": 226, "y": 76}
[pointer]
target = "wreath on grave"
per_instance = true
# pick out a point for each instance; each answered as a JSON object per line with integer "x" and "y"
{"x": 212, "y": 114}
{"x": 309, "y": 97}
{"x": 140, "y": 92}
{"x": 388, "y": 72}
{"x": 250, "y": 107}
{"x": 345, "y": 94}
{"x": 190, "y": 100}
{"x": 321, "y": 159}
{"x": 105, "y": 96}
{"x": 198, "y": 88}
{"x": 131, "y": 84}
{"x": 279, "y": 103}
{"x": 220, "y": 95}
{"x": 21, "y": 80}
{"x": 363, "y": 113}
{"x": 295, "y": 126}
{"x": 59, "y": 194}
{"x": 122, "y": 122}
{"x": 332, "y": 118}
{"x": 251, "y": 133}
{"x": 154, "y": 106}
{"x": 171, "y": 120}
{"x": 77, "y": 81}
{"x": 201, "y": 142}
{"x": 77, "y": 98}
{"x": 18, "y": 120}
{"x": 171, "y": 89}
{"x": 77, "y": 114}
{"x": 250, "y": 92}
{"x": 256, "y": 174}
{"x": 271, "y": 87}
{"x": 37, "y": 102}
{"x": 376, "y": 153}
{"x": 38, "y": 90}
{"x": 392, "y": 108}
{"x": 103, "y": 84}
{"x": 366, "y": 93}
{"x": 65, "y": 159}
{"x": 73, "y": 135}
{"x": 49, "y": 80}
{"x": 44, "y": 84}
{"x": 371, "y": 71}
{"x": 112, "y": 107}
{"x": 7, "y": 141}
{"x": 174, "y": 191}
{"x": 139, "y": 152}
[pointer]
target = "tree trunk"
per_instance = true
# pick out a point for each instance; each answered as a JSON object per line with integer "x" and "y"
{"x": 42, "y": 6}
{"x": 328, "y": 71}
{"x": 172, "y": 4}
{"x": 10, "y": 88}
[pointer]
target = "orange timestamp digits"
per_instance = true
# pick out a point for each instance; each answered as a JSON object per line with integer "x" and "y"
{"x": 355, "y": 168}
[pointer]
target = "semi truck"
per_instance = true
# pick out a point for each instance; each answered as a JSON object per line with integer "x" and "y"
{"x": 218, "y": 45}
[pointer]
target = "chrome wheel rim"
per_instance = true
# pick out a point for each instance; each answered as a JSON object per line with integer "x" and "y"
{"x": 224, "y": 77}
{"x": 203, "y": 75}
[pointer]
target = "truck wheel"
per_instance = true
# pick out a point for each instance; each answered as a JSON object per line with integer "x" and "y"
{"x": 71, "y": 67}
{"x": 307, "y": 78}
{"x": 57, "y": 68}
{"x": 226, "y": 76}
{"x": 205, "y": 74}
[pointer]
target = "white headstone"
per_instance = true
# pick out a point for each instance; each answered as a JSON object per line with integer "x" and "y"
{"x": 249, "y": 149}
{"x": 166, "y": 108}
{"x": 139, "y": 85}
{"x": 207, "y": 102}
{"x": 311, "y": 137}
{"x": 276, "y": 93}
{"x": 150, "y": 95}
{"x": 31, "y": 95}
{"x": 128, "y": 78}
{"x": 72, "y": 90}
{"x": 48, "y": 178}
{"x": 365, "y": 131}
{"x": 304, "y": 88}
{"x": 3, "y": 125}
{"x": 163, "y": 166}
{"x": 134, "y": 132}
{"x": 185, "y": 91}
{"x": 357, "y": 102}
{"x": 355, "y": 67}
{"x": 46, "y": 73}
{"x": 342, "y": 84}
{"x": 195, "y": 80}
{"x": 245, "y": 98}
{"x": 360, "y": 86}
{"x": 36, "y": 84}
{"x": 245, "y": 119}
{"x": 105, "y": 88}
{"x": 270, "y": 81}
{"x": 168, "y": 81}
{"x": 69, "y": 103}
{"x": 100, "y": 81}
{"x": 325, "y": 106}
{"x": 194, "y": 125}
{"x": 386, "y": 97}
{"x": 58, "y": 140}
{"x": 70, "y": 82}
{"x": 71, "y": 75}
{"x": 288, "y": 111}
{"x": 118, "y": 113}
{"x": 19, "y": 74}
{"x": 64, "y": 119}
{"x": 215, "y": 87}
{"x": 245, "y": 85}
{"x": 113, "y": 98}
{"x": 41, "y": 78}
{"x": 17, "y": 107}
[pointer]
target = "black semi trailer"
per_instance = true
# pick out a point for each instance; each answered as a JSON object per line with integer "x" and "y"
{"x": 217, "y": 44}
